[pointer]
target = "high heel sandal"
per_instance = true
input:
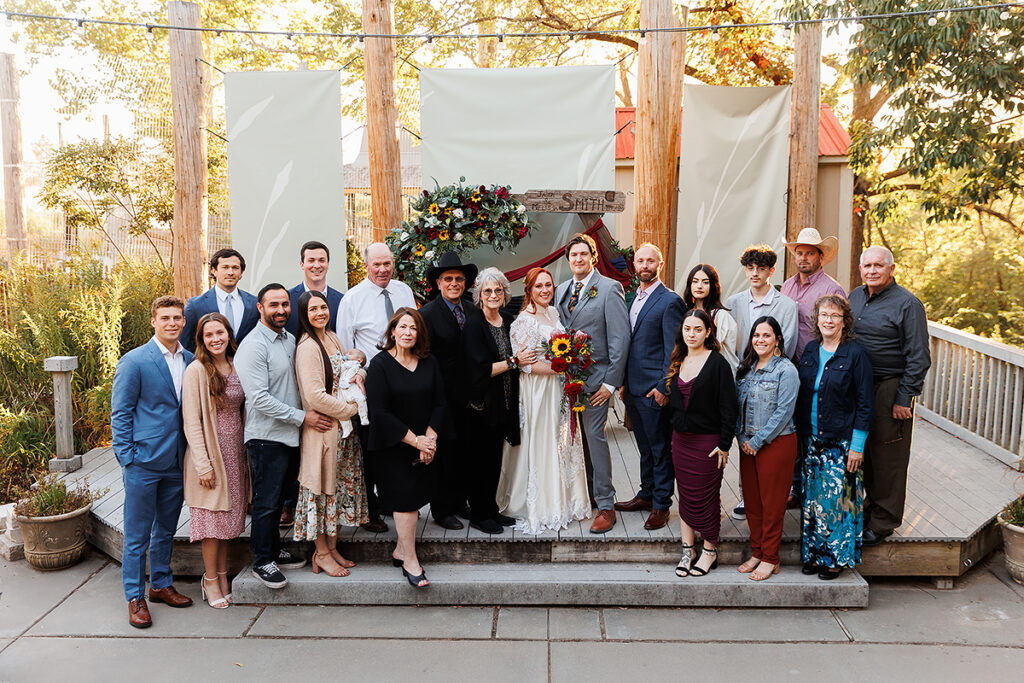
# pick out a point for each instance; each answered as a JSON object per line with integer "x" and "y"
{"x": 754, "y": 576}
{"x": 697, "y": 571}
{"x": 414, "y": 580}
{"x": 395, "y": 562}
{"x": 743, "y": 569}
{"x": 683, "y": 568}
{"x": 317, "y": 567}
{"x": 228, "y": 596}
{"x": 219, "y": 603}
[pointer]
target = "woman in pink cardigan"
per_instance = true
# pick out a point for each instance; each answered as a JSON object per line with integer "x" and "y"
{"x": 332, "y": 489}
{"x": 216, "y": 469}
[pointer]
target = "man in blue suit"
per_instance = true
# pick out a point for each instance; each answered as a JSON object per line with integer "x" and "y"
{"x": 148, "y": 440}
{"x": 225, "y": 297}
{"x": 654, "y": 319}
{"x": 314, "y": 260}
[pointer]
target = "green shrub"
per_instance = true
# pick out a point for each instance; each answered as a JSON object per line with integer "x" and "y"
{"x": 26, "y": 443}
{"x": 53, "y": 497}
{"x": 1014, "y": 512}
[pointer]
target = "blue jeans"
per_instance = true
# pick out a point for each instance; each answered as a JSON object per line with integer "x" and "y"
{"x": 654, "y": 441}
{"x": 273, "y": 466}
{"x": 152, "y": 505}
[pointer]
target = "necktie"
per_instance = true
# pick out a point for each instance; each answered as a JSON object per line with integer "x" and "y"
{"x": 460, "y": 317}
{"x": 229, "y": 309}
{"x": 389, "y": 308}
{"x": 574, "y": 299}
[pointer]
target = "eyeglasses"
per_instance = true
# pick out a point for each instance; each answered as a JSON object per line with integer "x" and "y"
{"x": 830, "y": 316}
{"x": 453, "y": 278}
{"x": 487, "y": 293}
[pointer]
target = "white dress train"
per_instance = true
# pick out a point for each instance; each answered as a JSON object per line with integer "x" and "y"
{"x": 543, "y": 482}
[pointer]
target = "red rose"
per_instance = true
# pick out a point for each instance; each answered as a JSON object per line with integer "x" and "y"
{"x": 432, "y": 234}
{"x": 483, "y": 190}
{"x": 502, "y": 193}
{"x": 490, "y": 235}
{"x": 522, "y": 231}
{"x": 559, "y": 365}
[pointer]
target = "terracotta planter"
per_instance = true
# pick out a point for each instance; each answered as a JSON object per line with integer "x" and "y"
{"x": 1013, "y": 546}
{"x": 55, "y": 542}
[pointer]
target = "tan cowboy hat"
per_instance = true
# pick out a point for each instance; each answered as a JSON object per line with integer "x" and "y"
{"x": 812, "y": 238}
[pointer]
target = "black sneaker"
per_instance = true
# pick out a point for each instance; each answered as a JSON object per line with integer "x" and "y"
{"x": 270, "y": 575}
{"x": 286, "y": 560}
{"x": 740, "y": 511}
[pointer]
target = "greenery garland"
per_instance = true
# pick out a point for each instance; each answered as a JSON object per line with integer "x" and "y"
{"x": 458, "y": 219}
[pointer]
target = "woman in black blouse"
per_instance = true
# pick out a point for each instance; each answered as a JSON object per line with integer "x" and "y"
{"x": 494, "y": 398}
{"x": 405, "y": 397}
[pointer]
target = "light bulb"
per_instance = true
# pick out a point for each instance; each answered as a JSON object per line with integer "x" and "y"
{"x": 1005, "y": 14}
{"x": 714, "y": 35}
{"x": 932, "y": 20}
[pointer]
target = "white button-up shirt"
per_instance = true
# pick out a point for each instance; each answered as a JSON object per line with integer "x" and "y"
{"x": 237, "y": 308}
{"x": 175, "y": 363}
{"x": 362, "y": 315}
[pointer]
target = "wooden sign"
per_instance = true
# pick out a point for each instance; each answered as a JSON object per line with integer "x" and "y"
{"x": 573, "y": 201}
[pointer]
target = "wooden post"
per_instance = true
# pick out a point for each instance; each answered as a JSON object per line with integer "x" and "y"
{"x": 64, "y": 459}
{"x": 382, "y": 120}
{"x": 190, "y": 171}
{"x": 803, "y": 145}
{"x": 658, "y": 106}
{"x": 14, "y": 191}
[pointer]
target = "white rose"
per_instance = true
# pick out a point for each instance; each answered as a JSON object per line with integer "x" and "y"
{"x": 521, "y": 209}
{"x": 429, "y": 254}
{"x": 458, "y": 237}
{"x": 483, "y": 237}
{"x": 404, "y": 236}
{"x": 458, "y": 213}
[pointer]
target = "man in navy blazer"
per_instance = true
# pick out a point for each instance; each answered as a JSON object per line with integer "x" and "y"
{"x": 654, "y": 319}
{"x": 314, "y": 260}
{"x": 149, "y": 443}
{"x": 226, "y": 297}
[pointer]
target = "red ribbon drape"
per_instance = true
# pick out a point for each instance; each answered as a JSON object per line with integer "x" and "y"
{"x": 604, "y": 265}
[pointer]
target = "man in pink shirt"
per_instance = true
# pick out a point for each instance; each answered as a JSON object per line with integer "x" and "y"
{"x": 810, "y": 282}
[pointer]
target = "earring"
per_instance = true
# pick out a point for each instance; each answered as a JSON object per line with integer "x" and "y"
{"x": 777, "y": 352}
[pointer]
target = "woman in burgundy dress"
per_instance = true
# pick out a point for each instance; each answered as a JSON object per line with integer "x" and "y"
{"x": 216, "y": 470}
{"x": 702, "y": 401}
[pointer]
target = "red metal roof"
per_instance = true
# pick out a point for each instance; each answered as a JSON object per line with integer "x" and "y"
{"x": 833, "y": 140}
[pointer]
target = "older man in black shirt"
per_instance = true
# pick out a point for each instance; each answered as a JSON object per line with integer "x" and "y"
{"x": 891, "y": 324}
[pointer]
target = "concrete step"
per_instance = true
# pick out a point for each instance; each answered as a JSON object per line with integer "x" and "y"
{"x": 606, "y": 583}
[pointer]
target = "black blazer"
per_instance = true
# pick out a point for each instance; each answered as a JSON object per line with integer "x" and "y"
{"x": 712, "y": 408}
{"x": 447, "y": 345}
{"x": 846, "y": 395}
{"x": 489, "y": 391}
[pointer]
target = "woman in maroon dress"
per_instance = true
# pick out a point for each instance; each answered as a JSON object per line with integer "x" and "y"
{"x": 216, "y": 471}
{"x": 702, "y": 401}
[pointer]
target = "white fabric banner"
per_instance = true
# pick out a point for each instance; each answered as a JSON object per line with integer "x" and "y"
{"x": 533, "y": 129}
{"x": 733, "y": 177}
{"x": 285, "y": 172}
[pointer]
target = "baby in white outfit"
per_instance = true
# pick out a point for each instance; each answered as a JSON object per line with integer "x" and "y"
{"x": 348, "y": 391}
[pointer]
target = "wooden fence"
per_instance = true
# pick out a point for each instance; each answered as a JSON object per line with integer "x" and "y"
{"x": 975, "y": 391}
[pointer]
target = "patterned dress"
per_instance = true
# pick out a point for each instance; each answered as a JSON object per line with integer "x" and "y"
{"x": 833, "y": 513}
{"x": 226, "y": 524}
{"x": 317, "y": 514}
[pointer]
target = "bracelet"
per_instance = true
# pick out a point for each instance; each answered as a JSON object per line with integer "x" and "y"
{"x": 511, "y": 362}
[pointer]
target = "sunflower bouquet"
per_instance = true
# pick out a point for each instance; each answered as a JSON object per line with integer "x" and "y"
{"x": 570, "y": 356}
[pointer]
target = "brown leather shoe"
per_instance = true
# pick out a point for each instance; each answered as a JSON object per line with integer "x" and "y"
{"x": 637, "y": 503}
{"x": 604, "y": 522}
{"x": 287, "y": 517}
{"x": 169, "y": 596}
{"x": 138, "y": 614}
{"x": 656, "y": 520}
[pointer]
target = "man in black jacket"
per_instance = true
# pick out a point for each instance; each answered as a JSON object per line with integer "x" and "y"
{"x": 445, "y": 316}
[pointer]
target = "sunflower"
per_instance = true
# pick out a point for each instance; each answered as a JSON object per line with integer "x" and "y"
{"x": 481, "y": 216}
{"x": 443, "y": 235}
{"x": 560, "y": 347}
{"x": 476, "y": 196}
{"x": 419, "y": 249}
{"x": 434, "y": 209}
{"x": 448, "y": 211}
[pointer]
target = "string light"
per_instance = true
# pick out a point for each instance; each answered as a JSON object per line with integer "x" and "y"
{"x": 932, "y": 20}
{"x": 1005, "y": 14}
{"x": 714, "y": 35}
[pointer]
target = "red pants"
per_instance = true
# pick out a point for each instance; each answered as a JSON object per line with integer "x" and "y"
{"x": 767, "y": 478}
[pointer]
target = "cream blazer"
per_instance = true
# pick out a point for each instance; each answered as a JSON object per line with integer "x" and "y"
{"x": 199, "y": 415}
{"x": 318, "y": 466}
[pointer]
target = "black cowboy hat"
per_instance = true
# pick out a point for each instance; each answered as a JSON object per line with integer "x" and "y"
{"x": 450, "y": 261}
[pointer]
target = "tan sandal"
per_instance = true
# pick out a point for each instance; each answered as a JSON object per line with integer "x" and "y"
{"x": 760, "y": 576}
{"x": 749, "y": 566}
{"x": 318, "y": 567}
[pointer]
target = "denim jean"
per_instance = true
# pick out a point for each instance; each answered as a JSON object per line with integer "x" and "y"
{"x": 273, "y": 466}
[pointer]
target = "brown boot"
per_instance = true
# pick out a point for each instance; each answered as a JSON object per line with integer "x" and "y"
{"x": 138, "y": 613}
{"x": 604, "y": 522}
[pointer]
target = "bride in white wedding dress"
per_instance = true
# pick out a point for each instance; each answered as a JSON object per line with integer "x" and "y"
{"x": 543, "y": 481}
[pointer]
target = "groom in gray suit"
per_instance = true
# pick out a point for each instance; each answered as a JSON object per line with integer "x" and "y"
{"x": 595, "y": 304}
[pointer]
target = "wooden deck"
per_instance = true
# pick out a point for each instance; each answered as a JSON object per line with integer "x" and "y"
{"x": 954, "y": 492}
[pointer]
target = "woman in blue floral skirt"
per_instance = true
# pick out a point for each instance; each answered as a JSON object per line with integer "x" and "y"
{"x": 833, "y": 416}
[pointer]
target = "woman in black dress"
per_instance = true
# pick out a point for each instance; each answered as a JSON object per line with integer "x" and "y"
{"x": 405, "y": 397}
{"x": 494, "y": 398}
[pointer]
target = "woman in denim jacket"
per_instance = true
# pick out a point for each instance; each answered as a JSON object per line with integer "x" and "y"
{"x": 767, "y": 385}
{"x": 833, "y": 416}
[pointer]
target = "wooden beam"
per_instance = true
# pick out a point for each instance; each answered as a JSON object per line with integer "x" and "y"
{"x": 14, "y": 191}
{"x": 382, "y": 120}
{"x": 803, "y": 144}
{"x": 190, "y": 170}
{"x": 658, "y": 106}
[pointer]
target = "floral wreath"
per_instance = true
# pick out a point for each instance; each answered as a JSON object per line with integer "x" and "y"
{"x": 458, "y": 219}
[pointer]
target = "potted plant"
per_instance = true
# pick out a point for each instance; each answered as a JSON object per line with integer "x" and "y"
{"x": 1011, "y": 521}
{"x": 54, "y": 520}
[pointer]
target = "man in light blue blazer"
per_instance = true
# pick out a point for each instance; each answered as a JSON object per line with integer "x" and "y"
{"x": 149, "y": 443}
{"x": 225, "y": 297}
{"x": 654, "y": 319}
{"x": 595, "y": 304}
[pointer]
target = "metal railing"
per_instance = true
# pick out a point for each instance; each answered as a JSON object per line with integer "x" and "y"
{"x": 975, "y": 391}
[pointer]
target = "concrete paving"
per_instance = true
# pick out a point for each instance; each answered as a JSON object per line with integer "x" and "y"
{"x": 72, "y": 626}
